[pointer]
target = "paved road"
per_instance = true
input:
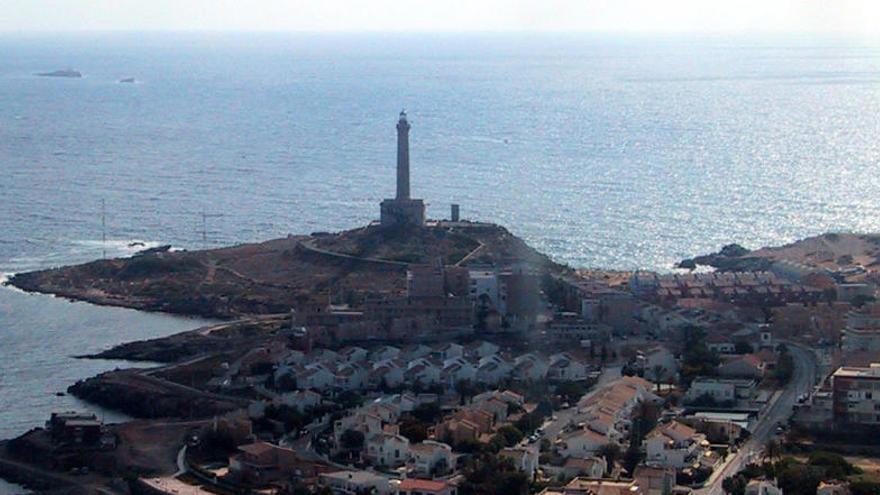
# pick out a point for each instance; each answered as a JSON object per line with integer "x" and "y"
{"x": 802, "y": 381}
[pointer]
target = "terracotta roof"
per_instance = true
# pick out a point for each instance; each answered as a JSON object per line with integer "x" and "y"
{"x": 410, "y": 484}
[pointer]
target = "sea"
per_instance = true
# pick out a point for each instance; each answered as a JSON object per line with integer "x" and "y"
{"x": 624, "y": 152}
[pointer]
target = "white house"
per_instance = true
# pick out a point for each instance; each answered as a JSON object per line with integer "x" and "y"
{"x": 721, "y": 389}
{"x": 530, "y": 367}
{"x": 293, "y": 357}
{"x": 366, "y": 423}
{"x": 350, "y": 376}
{"x": 456, "y": 371}
{"x": 674, "y": 444}
{"x": 322, "y": 355}
{"x": 581, "y": 442}
{"x": 384, "y": 352}
{"x": 352, "y": 354}
{"x": 430, "y": 457}
{"x": 524, "y": 458}
{"x": 762, "y": 487}
{"x": 387, "y": 449}
{"x": 301, "y": 400}
{"x": 423, "y": 372}
{"x": 355, "y": 482}
{"x": 587, "y": 466}
{"x": 565, "y": 368}
{"x": 481, "y": 349}
{"x": 315, "y": 377}
{"x": 658, "y": 364}
{"x": 447, "y": 351}
{"x": 388, "y": 373}
{"x": 491, "y": 372}
{"x": 415, "y": 351}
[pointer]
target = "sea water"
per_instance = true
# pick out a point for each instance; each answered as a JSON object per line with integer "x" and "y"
{"x": 617, "y": 152}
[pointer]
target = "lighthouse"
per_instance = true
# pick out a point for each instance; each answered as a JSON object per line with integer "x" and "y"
{"x": 402, "y": 157}
{"x": 402, "y": 210}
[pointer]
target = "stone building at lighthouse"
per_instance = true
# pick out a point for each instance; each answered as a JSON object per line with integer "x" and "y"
{"x": 402, "y": 210}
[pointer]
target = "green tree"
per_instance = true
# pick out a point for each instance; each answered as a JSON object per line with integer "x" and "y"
{"x": 428, "y": 412}
{"x": 510, "y": 435}
{"x": 836, "y": 467}
{"x": 734, "y": 485}
{"x": 352, "y": 440}
{"x": 697, "y": 359}
{"x": 785, "y": 367}
{"x": 488, "y": 474}
{"x": 286, "y": 383}
{"x": 414, "y": 430}
{"x": 349, "y": 399}
{"x": 743, "y": 347}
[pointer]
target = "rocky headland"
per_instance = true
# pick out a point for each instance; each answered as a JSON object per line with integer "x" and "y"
{"x": 834, "y": 251}
{"x": 274, "y": 276}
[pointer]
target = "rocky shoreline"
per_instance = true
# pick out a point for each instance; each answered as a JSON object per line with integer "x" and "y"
{"x": 130, "y": 392}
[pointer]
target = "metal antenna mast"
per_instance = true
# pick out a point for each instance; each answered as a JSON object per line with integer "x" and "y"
{"x": 103, "y": 229}
{"x": 205, "y": 217}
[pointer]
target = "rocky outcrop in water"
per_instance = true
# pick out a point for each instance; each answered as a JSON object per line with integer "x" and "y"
{"x": 731, "y": 257}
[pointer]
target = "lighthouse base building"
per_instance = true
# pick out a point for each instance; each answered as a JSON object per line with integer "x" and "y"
{"x": 402, "y": 212}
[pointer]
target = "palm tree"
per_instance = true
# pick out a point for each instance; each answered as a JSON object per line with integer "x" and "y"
{"x": 772, "y": 449}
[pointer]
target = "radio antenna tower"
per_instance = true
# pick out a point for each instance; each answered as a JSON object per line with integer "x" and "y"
{"x": 205, "y": 217}
{"x": 103, "y": 229}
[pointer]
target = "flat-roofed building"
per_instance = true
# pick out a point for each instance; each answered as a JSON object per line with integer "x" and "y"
{"x": 856, "y": 395}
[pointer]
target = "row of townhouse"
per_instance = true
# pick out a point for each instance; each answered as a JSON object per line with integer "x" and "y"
{"x": 605, "y": 416}
{"x": 444, "y": 365}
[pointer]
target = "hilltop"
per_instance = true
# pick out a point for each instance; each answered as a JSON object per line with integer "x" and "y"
{"x": 276, "y": 275}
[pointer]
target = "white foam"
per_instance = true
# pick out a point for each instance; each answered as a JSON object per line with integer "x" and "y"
{"x": 4, "y": 277}
{"x": 115, "y": 247}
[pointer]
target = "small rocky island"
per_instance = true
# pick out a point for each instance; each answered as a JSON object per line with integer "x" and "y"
{"x": 62, "y": 73}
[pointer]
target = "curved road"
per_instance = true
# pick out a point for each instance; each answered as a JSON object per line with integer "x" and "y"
{"x": 779, "y": 411}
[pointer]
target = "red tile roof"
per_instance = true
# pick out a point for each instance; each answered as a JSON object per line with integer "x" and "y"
{"x": 428, "y": 485}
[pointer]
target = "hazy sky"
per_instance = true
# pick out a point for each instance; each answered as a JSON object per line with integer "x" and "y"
{"x": 835, "y": 16}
